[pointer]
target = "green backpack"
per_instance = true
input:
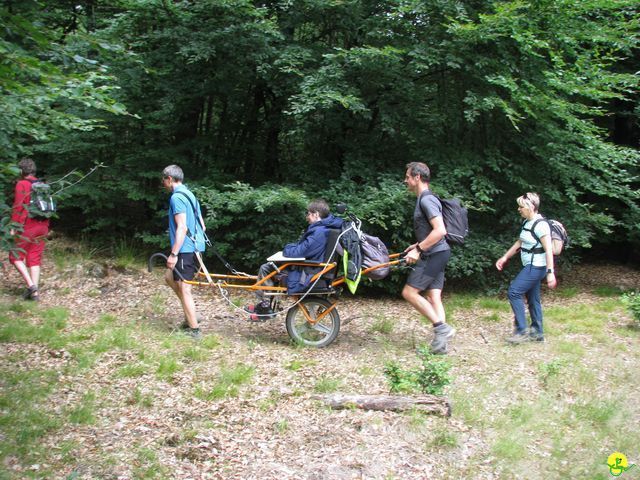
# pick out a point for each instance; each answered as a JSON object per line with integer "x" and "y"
{"x": 42, "y": 204}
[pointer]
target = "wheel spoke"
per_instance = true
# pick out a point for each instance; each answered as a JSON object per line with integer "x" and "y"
{"x": 303, "y": 328}
{"x": 322, "y": 328}
{"x": 308, "y": 325}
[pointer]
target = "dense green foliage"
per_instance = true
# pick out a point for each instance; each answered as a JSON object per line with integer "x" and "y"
{"x": 632, "y": 299}
{"x": 49, "y": 84}
{"x": 312, "y": 98}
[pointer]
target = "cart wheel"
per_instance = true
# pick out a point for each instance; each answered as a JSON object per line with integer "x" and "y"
{"x": 313, "y": 334}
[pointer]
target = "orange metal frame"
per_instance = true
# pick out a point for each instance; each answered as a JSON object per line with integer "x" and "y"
{"x": 252, "y": 283}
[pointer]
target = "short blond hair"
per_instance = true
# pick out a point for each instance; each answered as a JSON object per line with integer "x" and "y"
{"x": 529, "y": 200}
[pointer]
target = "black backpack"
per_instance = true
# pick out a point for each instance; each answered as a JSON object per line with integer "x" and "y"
{"x": 42, "y": 204}
{"x": 559, "y": 237}
{"x": 456, "y": 219}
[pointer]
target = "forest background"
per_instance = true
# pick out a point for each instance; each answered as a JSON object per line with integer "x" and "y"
{"x": 266, "y": 105}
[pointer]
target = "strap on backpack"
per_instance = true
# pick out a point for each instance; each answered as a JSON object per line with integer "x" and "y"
{"x": 196, "y": 218}
{"x": 206, "y": 239}
{"x": 535, "y": 249}
{"x": 429, "y": 192}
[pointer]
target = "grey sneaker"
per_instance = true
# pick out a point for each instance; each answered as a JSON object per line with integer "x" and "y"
{"x": 184, "y": 325}
{"x": 519, "y": 338}
{"x": 193, "y": 333}
{"x": 441, "y": 336}
{"x": 536, "y": 337}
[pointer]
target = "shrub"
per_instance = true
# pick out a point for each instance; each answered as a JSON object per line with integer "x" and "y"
{"x": 632, "y": 300}
{"x": 430, "y": 377}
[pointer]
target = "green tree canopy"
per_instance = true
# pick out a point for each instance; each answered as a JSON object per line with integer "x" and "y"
{"x": 333, "y": 98}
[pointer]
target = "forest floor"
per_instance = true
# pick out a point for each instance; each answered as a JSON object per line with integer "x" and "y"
{"x": 97, "y": 382}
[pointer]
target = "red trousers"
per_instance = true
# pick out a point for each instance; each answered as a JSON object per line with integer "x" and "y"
{"x": 31, "y": 243}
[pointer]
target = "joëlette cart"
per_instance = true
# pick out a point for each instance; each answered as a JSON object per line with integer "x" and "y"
{"x": 312, "y": 317}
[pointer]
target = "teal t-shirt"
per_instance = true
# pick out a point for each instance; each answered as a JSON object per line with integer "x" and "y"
{"x": 178, "y": 203}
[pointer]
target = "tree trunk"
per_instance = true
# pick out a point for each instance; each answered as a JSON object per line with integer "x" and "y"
{"x": 396, "y": 403}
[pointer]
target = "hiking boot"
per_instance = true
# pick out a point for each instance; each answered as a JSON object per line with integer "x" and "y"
{"x": 536, "y": 337}
{"x": 441, "y": 336}
{"x": 193, "y": 333}
{"x": 519, "y": 338}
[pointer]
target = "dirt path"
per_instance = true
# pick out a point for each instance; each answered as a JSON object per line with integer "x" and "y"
{"x": 273, "y": 429}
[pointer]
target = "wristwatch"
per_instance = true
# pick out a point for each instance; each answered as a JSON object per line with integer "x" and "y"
{"x": 549, "y": 270}
{"x": 418, "y": 248}
{"x": 173, "y": 254}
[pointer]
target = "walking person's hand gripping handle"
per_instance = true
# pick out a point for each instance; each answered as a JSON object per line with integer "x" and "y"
{"x": 412, "y": 254}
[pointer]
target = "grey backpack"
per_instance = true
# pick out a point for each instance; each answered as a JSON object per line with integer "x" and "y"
{"x": 374, "y": 252}
{"x": 42, "y": 204}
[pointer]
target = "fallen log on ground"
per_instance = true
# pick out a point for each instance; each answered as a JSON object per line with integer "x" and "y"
{"x": 423, "y": 403}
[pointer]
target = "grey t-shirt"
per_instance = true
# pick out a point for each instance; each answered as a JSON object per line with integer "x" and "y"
{"x": 427, "y": 207}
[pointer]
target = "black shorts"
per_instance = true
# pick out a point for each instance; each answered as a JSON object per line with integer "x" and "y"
{"x": 187, "y": 265}
{"x": 428, "y": 272}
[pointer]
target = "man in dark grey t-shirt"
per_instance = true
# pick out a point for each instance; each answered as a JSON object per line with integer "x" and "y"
{"x": 430, "y": 254}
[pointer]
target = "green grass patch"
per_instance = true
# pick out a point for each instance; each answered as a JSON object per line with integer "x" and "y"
{"x": 467, "y": 407}
{"x": 582, "y": 318}
{"x": 270, "y": 402}
{"x": 598, "y": 412}
{"x": 84, "y": 412}
{"x": 520, "y": 414}
{"x": 126, "y": 254}
{"x": 22, "y": 307}
{"x": 157, "y": 304}
{"x": 367, "y": 370}
{"x": 460, "y": 301}
{"x": 82, "y": 358}
{"x": 443, "y": 437}
{"x": 496, "y": 304}
{"x": 281, "y": 427}
{"x": 509, "y": 447}
{"x": 327, "y": 385}
{"x": 67, "y": 256}
{"x": 141, "y": 399}
{"x": 194, "y": 353}
{"x": 47, "y": 329}
{"x": 147, "y": 466}
{"x": 607, "y": 291}
{"x": 382, "y": 325}
{"x": 227, "y": 384}
{"x": 25, "y": 417}
{"x": 492, "y": 318}
{"x": 294, "y": 365}
{"x": 567, "y": 292}
{"x": 210, "y": 341}
{"x": 550, "y": 370}
{"x": 168, "y": 367}
{"x": 132, "y": 370}
{"x": 569, "y": 348}
{"x": 112, "y": 339}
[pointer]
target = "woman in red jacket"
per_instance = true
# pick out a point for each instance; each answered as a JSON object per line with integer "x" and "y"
{"x": 30, "y": 242}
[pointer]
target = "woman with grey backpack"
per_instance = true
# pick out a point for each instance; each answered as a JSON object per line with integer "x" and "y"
{"x": 536, "y": 255}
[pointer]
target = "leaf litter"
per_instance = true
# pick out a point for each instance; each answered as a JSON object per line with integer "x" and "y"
{"x": 153, "y": 426}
